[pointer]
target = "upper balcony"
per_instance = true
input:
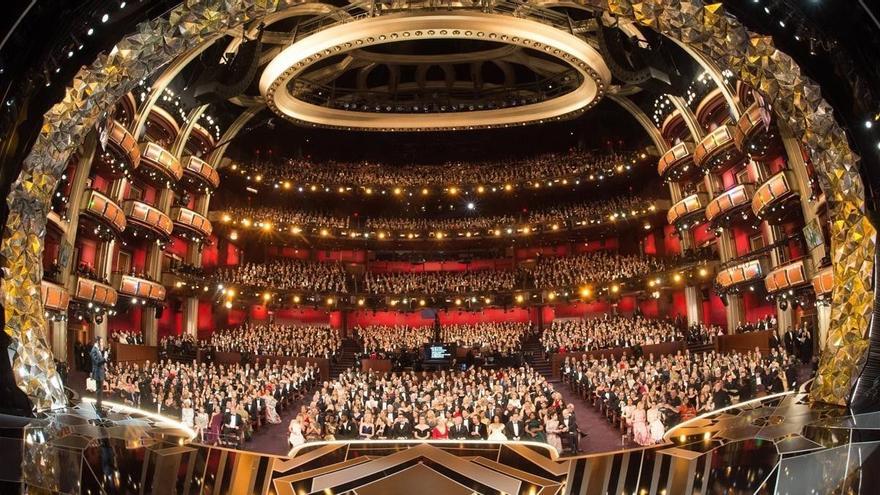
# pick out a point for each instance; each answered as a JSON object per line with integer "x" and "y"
{"x": 54, "y": 297}
{"x": 146, "y": 221}
{"x": 139, "y": 288}
{"x": 191, "y": 225}
{"x": 756, "y": 135}
{"x": 730, "y": 206}
{"x": 687, "y": 211}
{"x": 121, "y": 155}
{"x": 743, "y": 273}
{"x": 674, "y": 127}
{"x": 94, "y": 292}
{"x": 777, "y": 198}
{"x": 159, "y": 166}
{"x": 789, "y": 276}
{"x": 678, "y": 163}
{"x": 823, "y": 282}
{"x": 712, "y": 108}
{"x": 161, "y": 126}
{"x": 200, "y": 141}
{"x": 198, "y": 175}
{"x": 717, "y": 151}
{"x": 108, "y": 217}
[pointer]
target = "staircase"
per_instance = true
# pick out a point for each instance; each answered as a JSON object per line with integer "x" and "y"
{"x": 534, "y": 355}
{"x": 345, "y": 359}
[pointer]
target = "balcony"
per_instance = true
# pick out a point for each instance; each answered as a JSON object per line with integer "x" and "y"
{"x": 121, "y": 155}
{"x": 677, "y": 163}
{"x": 742, "y": 273}
{"x": 717, "y": 151}
{"x": 161, "y": 126}
{"x": 91, "y": 291}
{"x": 674, "y": 127}
{"x": 712, "y": 108}
{"x": 190, "y": 225}
{"x": 756, "y": 135}
{"x": 108, "y": 217}
{"x": 146, "y": 221}
{"x": 54, "y": 297}
{"x": 139, "y": 288}
{"x": 789, "y": 276}
{"x": 776, "y": 199}
{"x": 159, "y": 166}
{"x": 823, "y": 282}
{"x": 730, "y": 205}
{"x": 200, "y": 140}
{"x": 199, "y": 175}
{"x": 689, "y": 209}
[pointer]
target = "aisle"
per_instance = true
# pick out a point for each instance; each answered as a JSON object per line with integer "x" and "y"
{"x": 602, "y": 437}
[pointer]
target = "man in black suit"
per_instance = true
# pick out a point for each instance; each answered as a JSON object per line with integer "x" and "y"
{"x": 789, "y": 339}
{"x": 233, "y": 425}
{"x": 515, "y": 428}
{"x": 477, "y": 430}
{"x": 401, "y": 429}
{"x": 458, "y": 431}
{"x": 346, "y": 430}
{"x": 570, "y": 429}
{"x": 99, "y": 359}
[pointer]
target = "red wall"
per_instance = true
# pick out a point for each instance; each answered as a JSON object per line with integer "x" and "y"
{"x": 302, "y": 315}
{"x": 130, "y": 321}
{"x": 450, "y": 317}
{"x": 347, "y": 256}
{"x": 171, "y": 322}
{"x": 177, "y": 247}
{"x": 598, "y": 245}
{"x": 535, "y": 251}
{"x": 87, "y": 251}
{"x": 714, "y": 311}
{"x": 756, "y": 307}
{"x": 288, "y": 252}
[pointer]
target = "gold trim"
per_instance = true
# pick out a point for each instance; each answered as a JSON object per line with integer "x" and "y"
{"x": 191, "y": 221}
{"x": 54, "y": 296}
{"x": 678, "y": 162}
{"x": 103, "y": 209}
{"x": 201, "y": 172}
{"x": 144, "y": 215}
{"x": 743, "y": 273}
{"x": 687, "y": 208}
{"x": 717, "y": 151}
{"x": 730, "y": 199}
{"x": 788, "y": 276}
{"x": 139, "y": 287}
{"x": 774, "y": 191}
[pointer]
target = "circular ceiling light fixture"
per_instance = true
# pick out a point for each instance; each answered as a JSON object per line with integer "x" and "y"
{"x": 295, "y": 98}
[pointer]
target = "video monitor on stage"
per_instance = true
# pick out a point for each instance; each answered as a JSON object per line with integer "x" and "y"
{"x": 439, "y": 353}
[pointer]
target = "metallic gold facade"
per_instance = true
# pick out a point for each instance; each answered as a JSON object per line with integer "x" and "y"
{"x": 705, "y": 28}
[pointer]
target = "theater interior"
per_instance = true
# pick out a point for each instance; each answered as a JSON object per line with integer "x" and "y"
{"x": 441, "y": 246}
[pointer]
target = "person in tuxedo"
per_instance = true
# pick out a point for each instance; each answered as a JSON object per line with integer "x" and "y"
{"x": 99, "y": 359}
{"x": 569, "y": 428}
{"x": 476, "y": 428}
{"x": 458, "y": 431}
{"x": 515, "y": 428}
{"x": 401, "y": 429}
{"x": 789, "y": 340}
{"x": 233, "y": 424}
{"x": 345, "y": 429}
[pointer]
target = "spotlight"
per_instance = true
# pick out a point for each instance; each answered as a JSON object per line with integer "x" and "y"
{"x": 470, "y": 206}
{"x": 105, "y": 18}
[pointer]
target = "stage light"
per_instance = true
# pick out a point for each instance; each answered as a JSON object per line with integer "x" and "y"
{"x": 360, "y": 302}
{"x": 458, "y": 302}
{"x": 555, "y": 227}
{"x": 230, "y": 292}
{"x": 481, "y": 189}
{"x": 368, "y": 191}
{"x": 615, "y": 289}
{"x": 551, "y": 296}
{"x": 585, "y": 292}
{"x": 296, "y": 299}
{"x": 287, "y": 185}
{"x": 226, "y": 218}
{"x": 329, "y": 301}
{"x": 233, "y": 236}
{"x": 267, "y": 296}
{"x": 228, "y": 304}
{"x": 267, "y": 226}
{"x": 703, "y": 272}
{"x": 105, "y": 18}
{"x": 381, "y": 235}
{"x": 453, "y": 190}
{"x": 397, "y": 191}
{"x": 259, "y": 178}
{"x": 421, "y": 302}
{"x": 508, "y": 187}
{"x": 324, "y": 233}
{"x": 471, "y": 206}
{"x": 519, "y": 298}
{"x": 488, "y": 300}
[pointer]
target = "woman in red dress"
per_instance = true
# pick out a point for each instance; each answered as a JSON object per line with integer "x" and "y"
{"x": 441, "y": 431}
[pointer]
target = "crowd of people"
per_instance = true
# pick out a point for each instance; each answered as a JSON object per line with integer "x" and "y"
{"x": 287, "y": 274}
{"x": 286, "y": 217}
{"x": 277, "y": 340}
{"x": 128, "y": 337}
{"x": 383, "y": 341}
{"x": 504, "y": 338}
{"x": 647, "y": 395}
{"x": 222, "y": 402}
{"x": 493, "y": 338}
{"x": 431, "y": 283}
{"x": 573, "y": 163}
{"x": 608, "y": 331}
{"x": 593, "y": 267}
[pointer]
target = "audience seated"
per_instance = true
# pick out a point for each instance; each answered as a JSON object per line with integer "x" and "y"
{"x": 430, "y": 283}
{"x": 700, "y": 333}
{"x": 287, "y": 274}
{"x": 495, "y": 338}
{"x": 277, "y": 340}
{"x": 608, "y": 331}
{"x": 383, "y": 341}
{"x": 127, "y": 337}
{"x": 594, "y": 267}
{"x": 647, "y": 395}
{"x": 574, "y": 163}
{"x": 766, "y": 323}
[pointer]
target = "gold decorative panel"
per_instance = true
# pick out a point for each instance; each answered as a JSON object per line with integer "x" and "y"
{"x": 148, "y": 217}
{"x": 55, "y": 297}
{"x": 823, "y": 282}
{"x": 686, "y": 208}
{"x": 717, "y": 151}
{"x": 200, "y": 173}
{"x": 731, "y": 199}
{"x": 158, "y": 164}
{"x": 707, "y": 29}
{"x": 678, "y": 162}
{"x": 92, "y": 291}
{"x": 104, "y": 210}
{"x": 191, "y": 222}
{"x": 774, "y": 192}
{"x": 742, "y": 273}
{"x": 787, "y": 276}
{"x": 139, "y": 287}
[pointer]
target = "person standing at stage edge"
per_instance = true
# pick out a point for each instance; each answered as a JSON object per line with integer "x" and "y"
{"x": 99, "y": 359}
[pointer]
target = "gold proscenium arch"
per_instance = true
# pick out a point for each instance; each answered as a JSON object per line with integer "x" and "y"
{"x": 705, "y": 28}
{"x": 393, "y": 28}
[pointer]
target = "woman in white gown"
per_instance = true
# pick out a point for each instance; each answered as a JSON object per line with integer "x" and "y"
{"x": 655, "y": 424}
{"x": 272, "y": 415}
{"x": 553, "y": 431}
{"x": 187, "y": 414}
{"x": 295, "y": 435}
{"x": 496, "y": 430}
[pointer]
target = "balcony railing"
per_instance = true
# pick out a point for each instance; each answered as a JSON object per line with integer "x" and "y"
{"x": 717, "y": 151}
{"x": 136, "y": 287}
{"x": 121, "y": 155}
{"x": 728, "y": 202}
{"x": 710, "y": 106}
{"x": 54, "y": 296}
{"x": 145, "y": 217}
{"x": 742, "y": 273}
{"x": 771, "y": 198}
{"x": 158, "y": 165}
{"x": 823, "y": 282}
{"x": 191, "y": 224}
{"x": 788, "y": 276}
{"x": 678, "y": 162}
{"x": 200, "y": 174}
{"x": 104, "y": 210}
{"x": 755, "y": 134}
{"x": 88, "y": 290}
{"x": 687, "y": 209}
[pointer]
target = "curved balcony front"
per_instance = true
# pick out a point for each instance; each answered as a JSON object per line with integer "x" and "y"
{"x": 121, "y": 155}
{"x": 54, "y": 297}
{"x": 200, "y": 139}
{"x": 674, "y": 127}
{"x": 730, "y": 205}
{"x": 199, "y": 175}
{"x": 146, "y": 221}
{"x": 717, "y": 151}
{"x": 742, "y": 273}
{"x": 823, "y": 282}
{"x": 775, "y": 199}
{"x": 159, "y": 166}
{"x": 755, "y": 134}
{"x": 92, "y": 291}
{"x": 712, "y": 108}
{"x": 689, "y": 209}
{"x": 789, "y": 276}
{"x": 161, "y": 126}
{"x": 108, "y": 216}
{"x": 140, "y": 288}
{"x": 678, "y": 163}
{"x": 191, "y": 225}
